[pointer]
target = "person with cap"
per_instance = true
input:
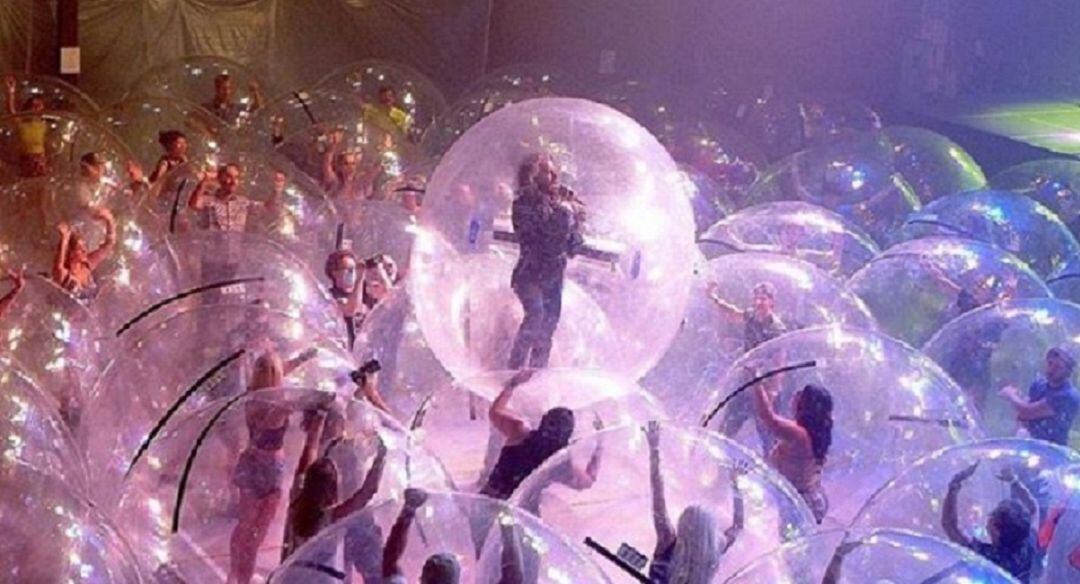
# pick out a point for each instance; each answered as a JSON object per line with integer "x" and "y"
{"x": 1052, "y": 401}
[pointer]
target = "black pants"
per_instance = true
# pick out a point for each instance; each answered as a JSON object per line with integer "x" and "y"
{"x": 542, "y": 302}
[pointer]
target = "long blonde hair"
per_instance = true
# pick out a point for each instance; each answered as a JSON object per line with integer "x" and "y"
{"x": 267, "y": 372}
{"x": 697, "y": 551}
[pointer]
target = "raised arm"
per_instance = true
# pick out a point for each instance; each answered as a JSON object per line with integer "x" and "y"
{"x": 99, "y": 255}
{"x": 950, "y": 520}
{"x": 579, "y": 479}
{"x": 784, "y": 428}
{"x": 398, "y": 539}
{"x": 256, "y": 96}
{"x": 329, "y": 176}
{"x": 198, "y": 196}
{"x": 18, "y": 282}
{"x": 60, "y": 271}
{"x": 1020, "y": 492}
{"x": 727, "y": 307}
{"x": 367, "y": 491}
{"x": 665, "y": 532}
{"x": 10, "y": 87}
{"x": 738, "y": 512}
{"x": 505, "y": 420}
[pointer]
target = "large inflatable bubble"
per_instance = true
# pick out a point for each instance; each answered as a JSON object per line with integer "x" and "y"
{"x": 626, "y": 290}
{"x": 145, "y": 124}
{"x": 195, "y": 79}
{"x": 466, "y": 112}
{"x": 808, "y": 232}
{"x": 34, "y": 432}
{"x": 720, "y": 153}
{"x": 784, "y": 124}
{"x": 480, "y": 540}
{"x": 1063, "y": 523}
{"x": 891, "y": 406}
{"x": 56, "y": 340}
{"x": 189, "y": 359}
{"x": 53, "y": 534}
{"x": 383, "y": 227}
{"x": 211, "y": 496}
{"x": 1052, "y": 182}
{"x": 1012, "y": 222}
{"x": 998, "y": 487}
{"x": 850, "y": 174}
{"x": 705, "y": 480}
{"x": 55, "y": 143}
{"x": 455, "y": 426}
{"x": 542, "y": 79}
{"x": 1065, "y": 282}
{"x": 1003, "y": 345}
{"x": 145, "y": 284}
{"x": 916, "y": 287}
{"x": 880, "y": 556}
{"x": 932, "y": 164}
{"x": 652, "y": 105}
{"x": 57, "y": 94}
{"x": 707, "y": 198}
{"x": 738, "y": 302}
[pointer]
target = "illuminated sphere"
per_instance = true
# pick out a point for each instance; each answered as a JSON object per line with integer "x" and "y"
{"x": 139, "y": 121}
{"x": 1065, "y": 282}
{"x": 625, "y": 179}
{"x": 932, "y": 164}
{"x": 1053, "y": 182}
{"x": 731, "y": 160}
{"x": 711, "y": 338}
{"x": 208, "y": 351}
{"x": 53, "y": 534}
{"x": 456, "y": 428}
{"x": 466, "y": 112}
{"x": 472, "y": 529}
{"x": 1010, "y": 221}
{"x": 697, "y": 468}
{"x": 542, "y": 79}
{"x": 192, "y": 79}
{"x": 892, "y": 406}
{"x": 181, "y": 501}
{"x": 59, "y": 95}
{"x": 709, "y": 201}
{"x": 883, "y": 556}
{"x": 916, "y": 287}
{"x": 68, "y": 137}
{"x": 802, "y": 230}
{"x": 1005, "y": 344}
{"x": 913, "y": 499}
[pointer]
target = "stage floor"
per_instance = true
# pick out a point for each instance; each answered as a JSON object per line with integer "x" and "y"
{"x": 1049, "y": 122}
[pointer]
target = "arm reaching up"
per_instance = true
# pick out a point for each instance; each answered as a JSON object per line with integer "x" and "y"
{"x": 367, "y": 491}
{"x": 399, "y": 533}
{"x": 505, "y": 420}
{"x": 738, "y": 512}
{"x": 18, "y": 282}
{"x": 950, "y": 520}
{"x": 665, "y": 531}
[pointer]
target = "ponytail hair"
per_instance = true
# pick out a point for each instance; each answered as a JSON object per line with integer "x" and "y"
{"x": 814, "y": 413}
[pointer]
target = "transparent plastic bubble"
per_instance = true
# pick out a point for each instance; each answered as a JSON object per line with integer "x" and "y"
{"x": 807, "y": 232}
{"x": 193, "y": 78}
{"x": 538, "y": 78}
{"x": 410, "y": 371}
{"x": 709, "y": 201}
{"x": 914, "y": 288}
{"x": 722, "y": 154}
{"x": 784, "y": 124}
{"x": 183, "y": 362}
{"x": 466, "y": 112}
{"x": 711, "y": 336}
{"x": 505, "y": 544}
{"x": 59, "y": 95}
{"x": 205, "y": 485}
{"x": 852, "y": 174}
{"x": 1012, "y": 222}
{"x": 914, "y": 498}
{"x": 826, "y": 117}
{"x": 293, "y": 116}
{"x": 892, "y": 405}
{"x": 145, "y": 284}
{"x": 455, "y": 426}
{"x": 32, "y": 209}
{"x": 53, "y": 143}
{"x": 932, "y": 164}
{"x": 1053, "y": 183}
{"x": 140, "y": 122}
{"x": 880, "y": 556}
{"x": 697, "y": 468}
{"x": 287, "y": 205}
{"x": 1061, "y": 552}
{"x": 417, "y": 97}
{"x": 56, "y": 340}
{"x": 383, "y": 227}
{"x": 53, "y": 534}
{"x": 1065, "y": 282}
{"x": 626, "y": 305}
{"x": 34, "y": 432}
{"x": 1001, "y": 345}
{"x": 650, "y": 105}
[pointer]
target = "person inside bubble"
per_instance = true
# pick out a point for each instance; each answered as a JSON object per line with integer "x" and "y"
{"x": 223, "y": 104}
{"x": 314, "y": 502}
{"x": 802, "y": 443}
{"x": 691, "y": 552}
{"x": 260, "y": 468}
{"x": 386, "y": 115}
{"x": 1059, "y": 538}
{"x": 1052, "y": 402}
{"x": 346, "y": 290}
{"x": 32, "y": 131}
{"x": 439, "y": 568}
{"x": 175, "y": 145}
{"x": 74, "y": 265}
{"x": 981, "y": 294}
{"x": 226, "y": 208}
{"x": 18, "y": 282}
{"x": 345, "y": 173}
{"x": 1012, "y": 540}
{"x": 548, "y": 225}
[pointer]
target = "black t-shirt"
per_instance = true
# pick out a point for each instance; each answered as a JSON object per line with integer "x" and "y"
{"x": 547, "y": 236}
{"x": 1018, "y": 562}
{"x": 515, "y": 463}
